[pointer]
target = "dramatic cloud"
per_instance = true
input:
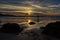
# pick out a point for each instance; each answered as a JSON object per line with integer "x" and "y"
{"x": 48, "y": 7}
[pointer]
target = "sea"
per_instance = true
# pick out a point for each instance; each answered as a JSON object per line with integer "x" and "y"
{"x": 40, "y": 21}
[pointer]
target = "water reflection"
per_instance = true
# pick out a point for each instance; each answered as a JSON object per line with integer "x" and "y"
{"x": 25, "y": 21}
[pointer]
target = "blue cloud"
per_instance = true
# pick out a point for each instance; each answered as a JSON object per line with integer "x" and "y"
{"x": 42, "y": 1}
{"x": 51, "y": 1}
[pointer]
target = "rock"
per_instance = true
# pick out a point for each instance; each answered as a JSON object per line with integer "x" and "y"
{"x": 52, "y": 29}
{"x": 11, "y": 28}
{"x": 32, "y": 23}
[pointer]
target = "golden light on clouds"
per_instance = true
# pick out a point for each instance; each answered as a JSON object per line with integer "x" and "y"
{"x": 28, "y": 11}
{"x": 29, "y": 8}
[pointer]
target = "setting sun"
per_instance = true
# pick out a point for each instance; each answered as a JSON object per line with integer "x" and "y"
{"x": 28, "y": 11}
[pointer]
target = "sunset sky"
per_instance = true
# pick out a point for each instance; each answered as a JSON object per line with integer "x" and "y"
{"x": 48, "y": 7}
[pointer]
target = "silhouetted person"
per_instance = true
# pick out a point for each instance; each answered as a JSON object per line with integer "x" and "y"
{"x": 52, "y": 29}
{"x": 11, "y": 28}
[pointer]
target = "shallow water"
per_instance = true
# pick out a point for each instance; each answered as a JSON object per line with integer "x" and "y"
{"x": 41, "y": 22}
{"x": 24, "y": 21}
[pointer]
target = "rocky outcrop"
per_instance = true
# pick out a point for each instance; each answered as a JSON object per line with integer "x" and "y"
{"x": 52, "y": 29}
{"x": 11, "y": 28}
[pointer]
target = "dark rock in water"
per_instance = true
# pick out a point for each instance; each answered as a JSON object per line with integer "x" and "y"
{"x": 32, "y": 23}
{"x": 52, "y": 29}
{"x": 11, "y": 28}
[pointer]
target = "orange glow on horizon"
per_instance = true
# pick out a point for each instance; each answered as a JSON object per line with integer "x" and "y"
{"x": 29, "y": 11}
